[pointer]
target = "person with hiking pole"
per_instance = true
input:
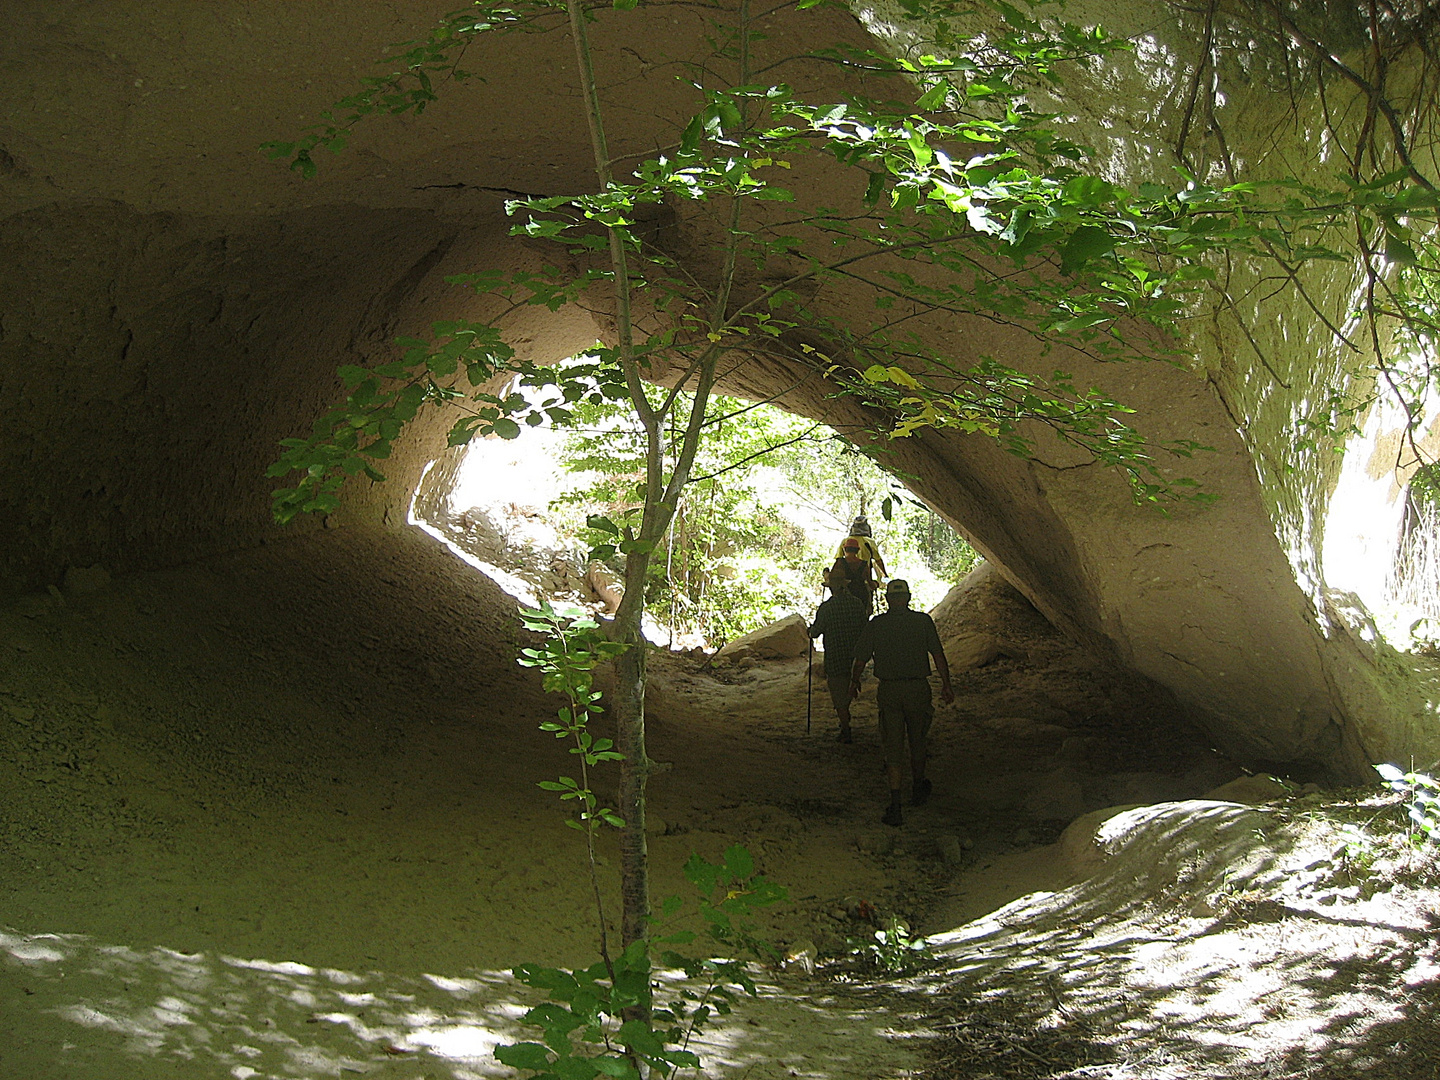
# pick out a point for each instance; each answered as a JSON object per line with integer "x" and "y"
{"x": 902, "y": 642}
{"x": 840, "y": 619}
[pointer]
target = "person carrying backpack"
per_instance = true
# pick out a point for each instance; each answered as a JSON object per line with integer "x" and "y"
{"x": 859, "y": 559}
{"x": 860, "y": 544}
{"x": 853, "y": 575}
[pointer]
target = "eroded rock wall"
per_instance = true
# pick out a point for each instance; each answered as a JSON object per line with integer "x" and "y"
{"x": 172, "y": 304}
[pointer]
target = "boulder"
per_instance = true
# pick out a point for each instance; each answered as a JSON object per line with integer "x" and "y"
{"x": 788, "y": 637}
{"x": 606, "y": 585}
{"x": 1080, "y": 848}
{"x": 969, "y": 651}
{"x": 1250, "y": 790}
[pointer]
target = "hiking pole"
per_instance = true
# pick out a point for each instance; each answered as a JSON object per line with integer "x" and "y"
{"x": 809, "y": 679}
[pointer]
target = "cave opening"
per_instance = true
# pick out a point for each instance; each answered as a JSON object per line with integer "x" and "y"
{"x": 772, "y": 496}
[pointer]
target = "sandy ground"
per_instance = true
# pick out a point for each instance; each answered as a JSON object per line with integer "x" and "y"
{"x": 276, "y": 815}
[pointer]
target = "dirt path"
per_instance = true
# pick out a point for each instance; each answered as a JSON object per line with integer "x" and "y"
{"x": 270, "y": 815}
{"x": 275, "y": 816}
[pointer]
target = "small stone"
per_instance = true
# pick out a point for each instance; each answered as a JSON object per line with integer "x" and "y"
{"x": 950, "y": 850}
{"x": 802, "y": 955}
{"x": 875, "y": 843}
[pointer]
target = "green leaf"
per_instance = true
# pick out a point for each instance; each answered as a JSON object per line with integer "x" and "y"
{"x": 1398, "y": 251}
{"x": 934, "y": 97}
{"x": 874, "y": 188}
{"x": 1085, "y": 244}
{"x": 920, "y": 148}
{"x": 505, "y": 428}
{"x": 531, "y": 1056}
{"x": 702, "y": 873}
{"x": 638, "y": 1036}
{"x": 690, "y": 138}
{"x": 1087, "y": 191}
{"x": 602, "y": 523}
{"x": 614, "y": 1066}
{"x": 738, "y": 862}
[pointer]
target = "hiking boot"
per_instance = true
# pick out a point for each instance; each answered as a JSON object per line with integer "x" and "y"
{"x": 921, "y": 792}
{"x": 893, "y": 816}
{"x": 845, "y": 736}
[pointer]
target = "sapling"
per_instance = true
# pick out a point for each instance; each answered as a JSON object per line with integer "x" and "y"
{"x": 1423, "y": 791}
{"x": 601, "y": 1020}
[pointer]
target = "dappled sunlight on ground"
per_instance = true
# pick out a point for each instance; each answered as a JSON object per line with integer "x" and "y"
{"x": 172, "y": 1013}
{"x": 1217, "y": 940}
{"x": 157, "y": 1012}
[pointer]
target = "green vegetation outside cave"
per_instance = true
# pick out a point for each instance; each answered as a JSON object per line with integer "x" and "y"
{"x": 772, "y": 496}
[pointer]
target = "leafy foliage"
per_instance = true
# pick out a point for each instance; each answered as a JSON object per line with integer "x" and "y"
{"x": 970, "y": 202}
{"x": 731, "y": 557}
{"x": 1423, "y": 791}
{"x": 893, "y": 948}
{"x": 770, "y": 497}
{"x": 984, "y": 234}
{"x": 572, "y": 646}
{"x": 600, "y": 1020}
{"x": 1425, "y": 484}
{"x": 592, "y": 1023}
{"x": 466, "y": 367}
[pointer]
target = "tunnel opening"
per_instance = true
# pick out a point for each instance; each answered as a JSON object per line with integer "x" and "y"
{"x": 762, "y": 519}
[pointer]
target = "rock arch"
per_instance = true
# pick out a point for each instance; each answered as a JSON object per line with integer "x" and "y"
{"x": 171, "y": 305}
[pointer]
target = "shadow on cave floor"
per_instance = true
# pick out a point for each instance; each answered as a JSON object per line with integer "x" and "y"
{"x": 275, "y": 814}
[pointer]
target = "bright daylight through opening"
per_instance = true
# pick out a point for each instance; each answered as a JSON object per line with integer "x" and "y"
{"x": 771, "y": 499}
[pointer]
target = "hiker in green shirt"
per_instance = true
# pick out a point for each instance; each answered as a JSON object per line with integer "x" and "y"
{"x": 902, "y": 641}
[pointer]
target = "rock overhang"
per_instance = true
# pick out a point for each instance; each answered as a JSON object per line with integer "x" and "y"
{"x": 176, "y": 304}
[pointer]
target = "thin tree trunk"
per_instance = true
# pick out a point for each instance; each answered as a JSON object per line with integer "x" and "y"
{"x": 629, "y": 708}
{"x": 662, "y": 497}
{"x": 630, "y": 667}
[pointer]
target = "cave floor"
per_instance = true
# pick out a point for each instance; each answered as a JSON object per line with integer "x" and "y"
{"x": 275, "y": 815}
